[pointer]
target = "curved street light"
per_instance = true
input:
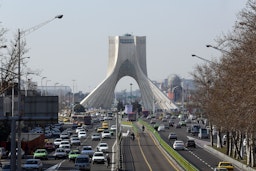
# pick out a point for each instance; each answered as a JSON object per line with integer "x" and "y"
{"x": 42, "y": 85}
{"x": 13, "y": 135}
{"x": 206, "y": 60}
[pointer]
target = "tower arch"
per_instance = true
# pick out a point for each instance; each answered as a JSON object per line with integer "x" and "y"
{"x": 127, "y": 57}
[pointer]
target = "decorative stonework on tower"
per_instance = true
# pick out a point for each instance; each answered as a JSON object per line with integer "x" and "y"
{"x": 127, "y": 57}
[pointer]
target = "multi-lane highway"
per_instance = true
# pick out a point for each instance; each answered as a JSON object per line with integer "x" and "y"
{"x": 143, "y": 153}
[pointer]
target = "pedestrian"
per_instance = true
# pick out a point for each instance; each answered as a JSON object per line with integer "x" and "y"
{"x": 143, "y": 128}
{"x": 132, "y": 136}
{"x": 108, "y": 160}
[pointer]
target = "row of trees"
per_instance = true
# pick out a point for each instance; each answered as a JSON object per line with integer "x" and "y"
{"x": 227, "y": 91}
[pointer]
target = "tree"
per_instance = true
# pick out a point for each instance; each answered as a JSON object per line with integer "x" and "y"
{"x": 79, "y": 108}
{"x": 229, "y": 100}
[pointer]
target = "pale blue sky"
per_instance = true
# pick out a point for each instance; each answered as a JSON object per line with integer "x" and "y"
{"x": 76, "y": 47}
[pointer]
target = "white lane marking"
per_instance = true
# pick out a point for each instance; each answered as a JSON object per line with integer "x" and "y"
{"x": 56, "y": 166}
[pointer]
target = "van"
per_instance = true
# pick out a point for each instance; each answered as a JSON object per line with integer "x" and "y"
{"x": 83, "y": 162}
{"x": 203, "y": 133}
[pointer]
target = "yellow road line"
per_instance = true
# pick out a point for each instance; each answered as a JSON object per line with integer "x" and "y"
{"x": 144, "y": 154}
{"x": 164, "y": 153}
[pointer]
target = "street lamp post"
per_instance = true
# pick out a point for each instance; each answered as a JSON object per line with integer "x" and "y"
{"x": 73, "y": 96}
{"x": 46, "y": 88}
{"x": 42, "y": 85}
{"x": 13, "y": 124}
{"x": 131, "y": 93}
{"x": 55, "y": 88}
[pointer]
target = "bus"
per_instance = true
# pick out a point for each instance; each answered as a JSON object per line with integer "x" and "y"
{"x": 82, "y": 119}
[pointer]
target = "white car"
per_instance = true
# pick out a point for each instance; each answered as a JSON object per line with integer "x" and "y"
{"x": 113, "y": 127}
{"x": 87, "y": 150}
{"x": 64, "y": 135}
{"x": 81, "y": 135}
{"x": 98, "y": 157}
{"x": 78, "y": 129}
{"x": 60, "y": 153}
{"x": 57, "y": 142}
{"x": 64, "y": 142}
{"x": 33, "y": 164}
{"x": 178, "y": 145}
{"x": 66, "y": 147}
{"x": 103, "y": 147}
{"x": 106, "y": 134}
{"x": 161, "y": 128}
{"x": 75, "y": 141}
{"x": 95, "y": 136}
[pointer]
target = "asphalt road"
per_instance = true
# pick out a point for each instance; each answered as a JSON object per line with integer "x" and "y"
{"x": 145, "y": 154}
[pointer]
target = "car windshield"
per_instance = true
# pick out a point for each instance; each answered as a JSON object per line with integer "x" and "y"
{"x": 31, "y": 162}
{"x": 98, "y": 154}
{"x": 82, "y": 160}
{"x": 87, "y": 148}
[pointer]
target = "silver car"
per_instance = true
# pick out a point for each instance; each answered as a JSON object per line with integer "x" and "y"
{"x": 83, "y": 162}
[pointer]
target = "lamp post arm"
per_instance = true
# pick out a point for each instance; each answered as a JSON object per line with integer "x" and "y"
{"x": 32, "y": 29}
{"x": 206, "y": 60}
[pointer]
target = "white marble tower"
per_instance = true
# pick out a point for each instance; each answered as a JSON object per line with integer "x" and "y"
{"x": 127, "y": 57}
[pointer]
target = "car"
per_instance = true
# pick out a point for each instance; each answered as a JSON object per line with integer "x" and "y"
{"x": 40, "y": 154}
{"x": 172, "y": 135}
{"x": 60, "y": 153}
{"x": 152, "y": 121}
{"x": 113, "y": 128}
{"x": 49, "y": 146}
{"x": 100, "y": 129}
{"x": 6, "y": 167}
{"x": 75, "y": 141}
{"x": 64, "y": 142}
{"x": 171, "y": 122}
{"x": 78, "y": 129}
{"x": 191, "y": 143}
{"x": 103, "y": 147}
{"x": 64, "y": 134}
{"x": 95, "y": 136}
{"x": 81, "y": 135}
{"x": 72, "y": 155}
{"x": 225, "y": 164}
{"x": 177, "y": 125}
{"x": 106, "y": 134}
{"x": 166, "y": 126}
{"x": 3, "y": 153}
{"x": 178, "y": 145}
{"x": 32, "y": 164}
{"x": 87, "y": 150}
{"x": 66, "y": 147}
{"x": 161, "y": 128}
{"x": 83, "y": 162}
{"x": 182, "y": 123}
{"x": 98, "y": 157}
{"x": 57, "y": 142}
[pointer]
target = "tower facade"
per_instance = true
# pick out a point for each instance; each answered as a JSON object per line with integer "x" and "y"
{"x": 127, "y": 57}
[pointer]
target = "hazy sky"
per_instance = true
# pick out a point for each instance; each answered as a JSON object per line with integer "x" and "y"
{"x": 76, "y": 47}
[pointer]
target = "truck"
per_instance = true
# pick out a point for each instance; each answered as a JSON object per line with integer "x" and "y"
{"x": 131, "y": 116}
{"x": 203, "y": 133}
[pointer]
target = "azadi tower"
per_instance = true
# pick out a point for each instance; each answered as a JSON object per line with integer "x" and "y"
{"x": 127, "y": 57}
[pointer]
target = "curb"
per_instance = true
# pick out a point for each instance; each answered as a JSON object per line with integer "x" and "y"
{"x": 227, "y": 158}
